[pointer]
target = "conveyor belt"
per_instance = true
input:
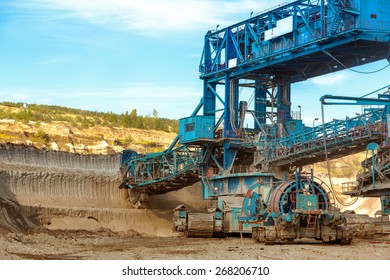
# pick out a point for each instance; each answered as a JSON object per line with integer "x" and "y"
{"x": 342, "y": 138}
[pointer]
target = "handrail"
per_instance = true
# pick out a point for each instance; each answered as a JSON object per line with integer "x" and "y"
{"x": 161, "y": 166}
{"x": 335, "y": 131}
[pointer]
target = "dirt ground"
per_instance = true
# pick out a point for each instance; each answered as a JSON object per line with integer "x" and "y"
{"x": 105, "y": 245}
{"x": 54, "y": 205}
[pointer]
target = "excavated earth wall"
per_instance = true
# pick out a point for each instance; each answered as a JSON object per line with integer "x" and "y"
{"x": 59, "y": 190}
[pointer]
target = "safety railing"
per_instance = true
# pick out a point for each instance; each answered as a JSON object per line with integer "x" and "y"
{"x": 161, "y": 166}
{"x": 347, "y": 187}
{"x": 333, "y": 134}
{"x": 254, "y": 40}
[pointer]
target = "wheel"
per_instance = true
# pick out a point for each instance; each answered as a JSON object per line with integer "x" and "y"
{"x": 346, "y": 235}
{"x": 258, "y": 234}
{"x": 270, "y": 235}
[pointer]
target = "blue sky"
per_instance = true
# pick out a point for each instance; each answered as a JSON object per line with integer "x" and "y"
{"x": 117, "y": 55}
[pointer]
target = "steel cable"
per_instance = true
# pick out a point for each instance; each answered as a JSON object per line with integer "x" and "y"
{"x": 356, "y": 71}
{"x": 328, "y": 165}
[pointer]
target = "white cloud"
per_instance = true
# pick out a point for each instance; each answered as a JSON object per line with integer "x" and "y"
{"x": 330, "y": 79}
{"x": 152, "y": 16}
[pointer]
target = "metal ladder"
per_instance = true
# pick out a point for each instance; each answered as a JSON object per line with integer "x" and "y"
{"x": 311, "y": 223}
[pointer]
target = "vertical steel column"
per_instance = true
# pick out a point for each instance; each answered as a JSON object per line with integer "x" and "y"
{"x": 209, "y": 99}
{"x": 284, "y": 103}
{"x": 231, "y": 106}
{"x": 208, "y": 95}
{"x": 231, "y": 92}
{"x": 260, "y": 104}
{"x": 227, "y": 126}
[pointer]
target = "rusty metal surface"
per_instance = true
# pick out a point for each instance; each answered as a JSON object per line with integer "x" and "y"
{"x": 200, "y": 225}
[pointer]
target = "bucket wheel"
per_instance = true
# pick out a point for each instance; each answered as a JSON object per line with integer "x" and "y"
{"x": 139, "y": 199}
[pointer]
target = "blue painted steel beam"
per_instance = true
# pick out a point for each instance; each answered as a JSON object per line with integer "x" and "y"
{"x": 314, "y": 23}
{"x": 253, "y": 50}
{"x": 353, "y": 100}
{"x": 216, "y": 94}
{"x": 284, "y": 103}
{"x": 231, "y": 105}
{"x": 159, "y": 167}
{"x": 209, "y": 103}
{"x": 260, "y": 105}
{"x": 197, "y": 109}
{"x": 308, "y": 146}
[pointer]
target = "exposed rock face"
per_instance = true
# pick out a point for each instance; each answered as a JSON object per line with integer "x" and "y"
{"x": 63, "y": 179}
{"x": 60, "y": 190}
{"x": 74, "y": 137}
{"x": 46, "y": 160}
{"x": 11, "y": 217}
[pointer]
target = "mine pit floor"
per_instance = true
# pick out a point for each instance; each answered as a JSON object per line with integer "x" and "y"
{"x": 106, "y": 245}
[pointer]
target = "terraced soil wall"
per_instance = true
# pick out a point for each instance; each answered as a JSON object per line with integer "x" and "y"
{"x": 60, "y": 190}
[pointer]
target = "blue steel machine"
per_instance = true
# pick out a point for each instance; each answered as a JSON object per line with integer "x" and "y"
{"x": 251, "y": 174}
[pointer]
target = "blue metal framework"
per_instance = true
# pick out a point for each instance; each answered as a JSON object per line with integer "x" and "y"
{"x": 267, "y": 53}
{"x": 307, "y": 147}
{"x": 175, "y": 168}
{"x": 290, "y": 32}
{"x": 288, "y": 44}
{"x": 281, "y": 36}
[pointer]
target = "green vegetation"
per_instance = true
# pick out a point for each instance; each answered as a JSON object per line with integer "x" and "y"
{"x": 42, "y": 135}
{"x": 83, "y": 118}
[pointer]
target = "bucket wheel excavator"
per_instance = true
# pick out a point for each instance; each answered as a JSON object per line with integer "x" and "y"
{"x": 252, "y": 174}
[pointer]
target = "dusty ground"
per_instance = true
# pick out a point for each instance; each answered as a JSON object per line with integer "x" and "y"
{"x": 44, "y": 245}
{"x": 54, "y": 205}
